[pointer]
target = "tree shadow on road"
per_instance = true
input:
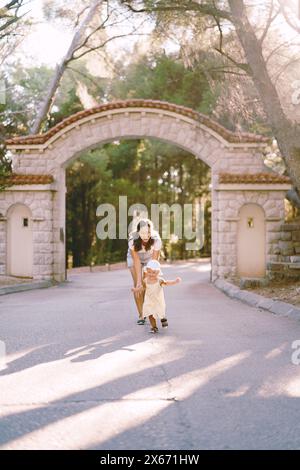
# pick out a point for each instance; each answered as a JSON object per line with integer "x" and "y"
{"x": 199, "y": 400}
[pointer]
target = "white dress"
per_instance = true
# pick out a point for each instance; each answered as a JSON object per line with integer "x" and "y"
{"x": 154, "y": 301}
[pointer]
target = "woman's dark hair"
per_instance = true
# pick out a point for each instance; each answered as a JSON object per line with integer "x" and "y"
{"x": 137, "y": 241}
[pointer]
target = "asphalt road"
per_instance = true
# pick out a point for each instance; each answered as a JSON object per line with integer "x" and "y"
{"x": 81, "y": 374}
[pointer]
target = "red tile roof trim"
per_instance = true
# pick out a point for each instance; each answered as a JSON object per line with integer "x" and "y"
{"x": 266, "y": 178}
{"x": 232, "y": 137}
{"x": 27, "y": 179}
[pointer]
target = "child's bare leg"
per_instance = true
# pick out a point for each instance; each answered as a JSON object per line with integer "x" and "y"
{"x": 139, "y": 299}
{"x": 152, "y": 321}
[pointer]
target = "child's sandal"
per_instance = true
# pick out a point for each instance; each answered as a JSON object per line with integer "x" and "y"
{"x": 154, "y": 329}
{"x": 164, "y": 322}
{"x": 141, "y": 321}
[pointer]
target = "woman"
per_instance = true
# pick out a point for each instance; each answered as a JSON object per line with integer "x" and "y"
{"x": 144, "y": 244}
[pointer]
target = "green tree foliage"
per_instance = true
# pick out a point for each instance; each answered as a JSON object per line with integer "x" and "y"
{"x": 23, "y": 91}
{"x": 146, "y": 171}
{"x": 161, "y": 77}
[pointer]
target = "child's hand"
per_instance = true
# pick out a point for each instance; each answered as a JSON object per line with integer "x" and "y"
{"x": 138, "y": 289}
{"x": 178, "y": 279}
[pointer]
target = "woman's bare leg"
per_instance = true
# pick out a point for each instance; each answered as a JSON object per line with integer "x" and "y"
{"x": 139, "y": 299}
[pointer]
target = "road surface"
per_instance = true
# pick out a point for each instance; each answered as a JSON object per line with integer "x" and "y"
{"x": 81, "y": 374}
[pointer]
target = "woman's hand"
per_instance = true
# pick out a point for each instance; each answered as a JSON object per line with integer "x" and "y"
{"x": 138, "y": 289}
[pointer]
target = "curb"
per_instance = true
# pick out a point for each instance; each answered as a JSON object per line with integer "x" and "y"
{"x": 276, "y": 307}
{"x": 23, "y": 287}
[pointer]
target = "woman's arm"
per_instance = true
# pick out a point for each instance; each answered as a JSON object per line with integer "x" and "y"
{"x": 156, "y": 248}
{"x": 156, "y": 252}
{"x": 137, "y": 289}
{"x": 138, "y": 269}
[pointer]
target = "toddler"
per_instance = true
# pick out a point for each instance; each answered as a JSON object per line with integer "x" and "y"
{"x": 154, "y": 305}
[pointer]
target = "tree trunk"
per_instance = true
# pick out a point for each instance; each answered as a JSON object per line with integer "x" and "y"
{"x": 286, "y": 131}
{"x": 60, "y": 69}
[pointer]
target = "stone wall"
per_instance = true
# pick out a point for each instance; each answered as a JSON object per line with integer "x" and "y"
{"x": 289, "y": 241}
{"x": 220, "y": 149}
{"x": 286, "y": 247}
{"x": 40, "y": 202}
{"x": 226, "y": 218}
{"x": 189, "y": 135}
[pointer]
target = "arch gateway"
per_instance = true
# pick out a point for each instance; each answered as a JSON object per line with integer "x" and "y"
{"x": 247, "y": 198}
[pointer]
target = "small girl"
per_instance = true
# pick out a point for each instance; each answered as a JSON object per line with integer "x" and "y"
{"x": 154, "y": 305}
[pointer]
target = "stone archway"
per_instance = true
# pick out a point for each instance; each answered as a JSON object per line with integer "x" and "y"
{"x": 235, "y": 159}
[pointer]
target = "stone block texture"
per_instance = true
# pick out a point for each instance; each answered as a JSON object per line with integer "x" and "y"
{"x": 222, "y": 150}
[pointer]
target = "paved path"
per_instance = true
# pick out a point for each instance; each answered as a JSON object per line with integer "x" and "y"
{"x": 82, "y": 375}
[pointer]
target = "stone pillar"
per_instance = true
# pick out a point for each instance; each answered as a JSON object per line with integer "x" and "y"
{"x": 231, "y": 198}
{"x": 2, "y": 235}
{"x": 227, "y": 232}
{"x": 214, "y": 228}
{"x": 42, "y": 208}
{"x": 59, "y": 227}
{"x": 39, "y": 199}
